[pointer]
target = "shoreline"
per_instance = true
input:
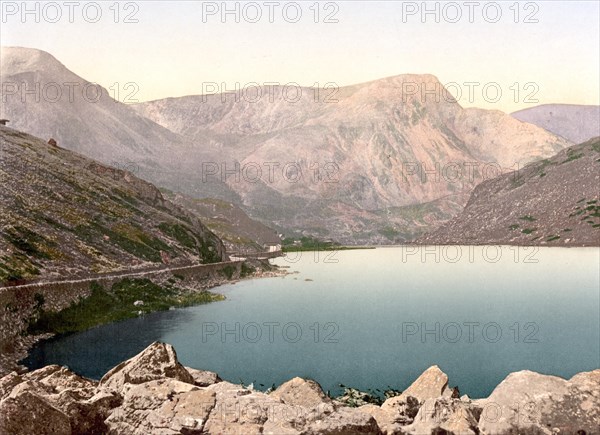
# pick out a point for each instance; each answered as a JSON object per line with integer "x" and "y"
{"x": 182, "y": 399}
{"x": 11, "y": 361}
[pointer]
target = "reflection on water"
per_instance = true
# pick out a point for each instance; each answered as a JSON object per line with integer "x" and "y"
{"x": 377, "y": 319}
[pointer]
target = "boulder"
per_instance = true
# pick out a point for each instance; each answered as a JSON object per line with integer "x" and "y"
{"x": 240, "y": 413}
{"x": 8, "y": 382}
{"x": 385, "y": 419}
{"x": 157, "y": 361}
{"x": 395, "y": 413}
{"x": 42, "y": 373}
{"x": 432, "y": 383}
{"x": 444, "y": 414}
{"x": 88, "y": 416}
{"x": 26, "y": 413}
{"x": 344, "y": 421}
{"x": 165, "y": 406}
{"x": 301, "y": 392}
{"x": 531, "y": 401}
{"x": 203, "y": 378}
{"x": 64, "y": 379}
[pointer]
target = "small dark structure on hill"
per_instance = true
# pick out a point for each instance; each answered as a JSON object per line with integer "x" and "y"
{"x": 52, "y": 142}
{"x": 3, "y": 121}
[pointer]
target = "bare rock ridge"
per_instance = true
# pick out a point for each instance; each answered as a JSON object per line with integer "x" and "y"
{"x": 153, "y": 393}
{"x": 554, "y": 202}
{"x": 576, "y": 123}
{"x": 371, "y": 163}
{"x": 66, "y": 216}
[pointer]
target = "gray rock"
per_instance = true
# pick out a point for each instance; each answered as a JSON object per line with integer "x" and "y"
{"x": 431, "y": 384}
{"x": 165, "y": 406}
{"x": 344, "y": 421}
{"x": 203, "y": 378}
{"x": 527, "y": 400}
{"x": 157, "y": 361}
{"x": 444, "y": 414}
{"x": 301, "y": 392}
{"x": 26, "y": 413}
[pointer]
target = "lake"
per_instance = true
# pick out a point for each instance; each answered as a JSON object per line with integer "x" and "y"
{"x": 376, "y": 318}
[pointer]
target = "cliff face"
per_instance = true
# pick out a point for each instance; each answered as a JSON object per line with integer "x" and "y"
{"x": 66, "y": 216}
{"x": 153, "y": 393}
{"x": 554, "y": 202}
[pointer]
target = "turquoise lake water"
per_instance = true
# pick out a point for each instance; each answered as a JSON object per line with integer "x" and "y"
{"x": 376, "y": 318}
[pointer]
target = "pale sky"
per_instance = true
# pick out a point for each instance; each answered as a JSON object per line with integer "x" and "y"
{"x": 174, "y": 48}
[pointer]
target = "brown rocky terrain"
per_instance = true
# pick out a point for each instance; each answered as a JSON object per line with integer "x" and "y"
{"x": 554, "y": 202}
{"x": 65, "y": 215}
{"x": 153, "y": 393}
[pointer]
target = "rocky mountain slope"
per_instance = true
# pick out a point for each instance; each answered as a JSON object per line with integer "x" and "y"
{"x": 65, "y": 215}
{"x": 554, "y": 201}
{"x": 369, "y": 149}
{"x": 230, "y": 223}
{"x": 43, "y": 97}
{"x": 377, "y": 162}
{"x": 576, "y": 123}
{"x": 153, "y": 393}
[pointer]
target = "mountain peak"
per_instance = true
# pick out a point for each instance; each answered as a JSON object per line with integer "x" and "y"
{"x": 25, "y": 57}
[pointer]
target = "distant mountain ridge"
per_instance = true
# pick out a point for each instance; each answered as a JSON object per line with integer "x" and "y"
{"x": 375, "y": 159}
{"x": 576, "y": 123}
{"x": 553, "y": 202}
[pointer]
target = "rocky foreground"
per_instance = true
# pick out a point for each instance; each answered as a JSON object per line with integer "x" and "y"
{"x": 153, "y": 393}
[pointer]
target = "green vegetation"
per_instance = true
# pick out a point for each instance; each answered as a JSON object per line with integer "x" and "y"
{"x": 528, "y": 218}
{"x": 528, "y": 230}
{"x": 104, "y": 306}
{"x": 179, "y": 233}
{"x": 130, "y": 238}
{"x": 313, "y": 244}
{"x": 228, "y": 271}
{"x": 28, "y": 241}
{"x": 390, "y": 233}
{"x": 572, "y": 155}
{"x": 247, "y": 270}
{"x": 354, "y": 398}
{"x": 552, "y": 238}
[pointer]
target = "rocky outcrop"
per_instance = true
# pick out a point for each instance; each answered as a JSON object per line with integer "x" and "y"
{"x": 153, "y": 393}
{"x": 553, "y": 202}
{"x": 157, "y": 361}
{"x": 544, "y": 403}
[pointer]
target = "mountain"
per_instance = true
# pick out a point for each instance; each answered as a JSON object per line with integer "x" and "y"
{"x": 366, "y": 153}
{"x": 377, "y": 162}
{"x": 65, "y": 215}
{"x": 576, "y": 123}
{"x": 554, "y": 201}
{"x": 44, "y": 98}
